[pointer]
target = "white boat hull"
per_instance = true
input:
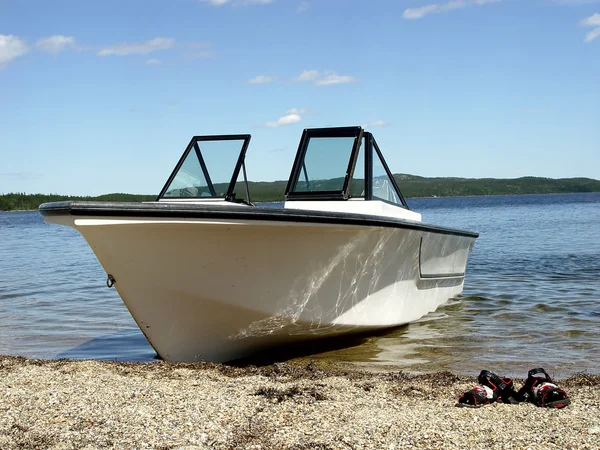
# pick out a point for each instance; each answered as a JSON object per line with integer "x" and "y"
{"x": 217, "y": 290}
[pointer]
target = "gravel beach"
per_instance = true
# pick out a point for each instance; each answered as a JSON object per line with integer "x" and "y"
{"x": 92, "y": 404}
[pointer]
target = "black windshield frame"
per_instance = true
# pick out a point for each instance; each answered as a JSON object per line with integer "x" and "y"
{"x": 298, "y": 167}
{"x": 229, "y": 196}
{"x": 372, "y": 151}
{"x": 371, "y": 144}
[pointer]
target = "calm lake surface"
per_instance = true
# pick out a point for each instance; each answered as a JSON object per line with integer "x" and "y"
{"x": 531, "y": 297}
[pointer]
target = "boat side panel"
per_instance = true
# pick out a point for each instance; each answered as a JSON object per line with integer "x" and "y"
{"x": 441, "y": 256}
{"x": 218, "y": 289}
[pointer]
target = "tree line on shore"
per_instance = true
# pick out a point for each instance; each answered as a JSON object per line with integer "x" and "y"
{"x": 21, "y": 202}
{"x": 411, "y": 186}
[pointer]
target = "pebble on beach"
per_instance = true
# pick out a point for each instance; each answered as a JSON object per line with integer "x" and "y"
{"x": 93, "y": 404}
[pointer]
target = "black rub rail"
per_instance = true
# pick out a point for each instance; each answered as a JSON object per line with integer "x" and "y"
{"x": 204, "y": 211}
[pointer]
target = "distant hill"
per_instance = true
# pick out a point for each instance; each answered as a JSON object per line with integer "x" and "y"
{"x": 414, "y": 186}
{"x": 16, "y": 201}
{"x": 411, "y": 186}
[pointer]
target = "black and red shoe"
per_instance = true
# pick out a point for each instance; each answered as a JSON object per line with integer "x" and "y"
{"x": 476, "y": 397}
{"x": 540, "y": 390}
{"x": 491, "y": 388}
{"x": 502, "y": 386}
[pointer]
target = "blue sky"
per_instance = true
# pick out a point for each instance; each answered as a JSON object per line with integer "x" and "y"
{"x": 99, "y": 97}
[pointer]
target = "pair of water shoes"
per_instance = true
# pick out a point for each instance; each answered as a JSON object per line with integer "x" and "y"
{"x": 538, "y": 389}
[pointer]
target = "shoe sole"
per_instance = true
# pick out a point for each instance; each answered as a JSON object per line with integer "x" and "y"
{"x": 557, "y": 403}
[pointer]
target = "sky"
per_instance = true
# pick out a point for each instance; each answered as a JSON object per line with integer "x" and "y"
{"x": 103, "y": 96}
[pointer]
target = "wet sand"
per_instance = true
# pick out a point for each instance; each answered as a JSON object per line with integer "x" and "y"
{"x": 92, "y": 404}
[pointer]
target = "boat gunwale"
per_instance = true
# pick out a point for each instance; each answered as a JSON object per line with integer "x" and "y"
{"x": 203, "y": 211}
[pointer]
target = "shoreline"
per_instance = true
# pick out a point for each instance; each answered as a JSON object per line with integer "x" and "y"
{"x": 425, "y": 196}
{"x": 95, "y": 404}
{"x": 18, "y": 210}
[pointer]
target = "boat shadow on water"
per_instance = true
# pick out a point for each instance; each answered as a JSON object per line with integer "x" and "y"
{"x": 130, "y": 345}
{"x": 314, "y": 349}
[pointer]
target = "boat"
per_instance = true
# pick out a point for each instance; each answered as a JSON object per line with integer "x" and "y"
{"x": 210, "y": 276}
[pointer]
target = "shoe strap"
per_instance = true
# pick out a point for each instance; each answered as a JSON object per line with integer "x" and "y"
{"x": 533, "y": 372}
{"x": 494, "y": 379}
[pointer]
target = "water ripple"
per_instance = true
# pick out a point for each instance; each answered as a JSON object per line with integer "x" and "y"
{"x": 531, "y": 298}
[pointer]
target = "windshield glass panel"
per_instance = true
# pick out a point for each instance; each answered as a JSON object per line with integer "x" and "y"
{"x": 325, "y": 164}
{"x": 383, "y": 188}
{"x": 207, "y": 169}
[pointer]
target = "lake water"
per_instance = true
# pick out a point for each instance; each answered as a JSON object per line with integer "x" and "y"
{"x": 531, "y": 297}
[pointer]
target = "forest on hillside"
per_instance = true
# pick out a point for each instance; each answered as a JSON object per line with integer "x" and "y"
{"x": 411, "y": 186}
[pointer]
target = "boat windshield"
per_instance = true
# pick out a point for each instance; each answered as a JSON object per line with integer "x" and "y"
{"x": 340, "y": 164}
{"x": 208, "y": 168}
{"x": 325, "y": 164}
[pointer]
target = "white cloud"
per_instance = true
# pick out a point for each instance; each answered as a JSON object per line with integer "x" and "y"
{"x": 142, "y": 48}
{"x": 434, "y": 8}
{"x": 11, "y": 47}
{"x": 55, "y": 44}
{"x": 288, "y": 119}
{"x": 591, "y": 35}
{"x": 376, "y": 124}
{"x": 417, "y": 13}
{"x": 332, "y": 78}
{"x": 308, "y": 75}
{"x": 592, "y": 21}
{"x": 262, "y": 79}
{"x": 327, "y": 78}
{"x": 304, "y": 6}
{"x": 153, "y": 62}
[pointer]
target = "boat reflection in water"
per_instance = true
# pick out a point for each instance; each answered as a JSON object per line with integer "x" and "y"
{"x": 207, "y": 275}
